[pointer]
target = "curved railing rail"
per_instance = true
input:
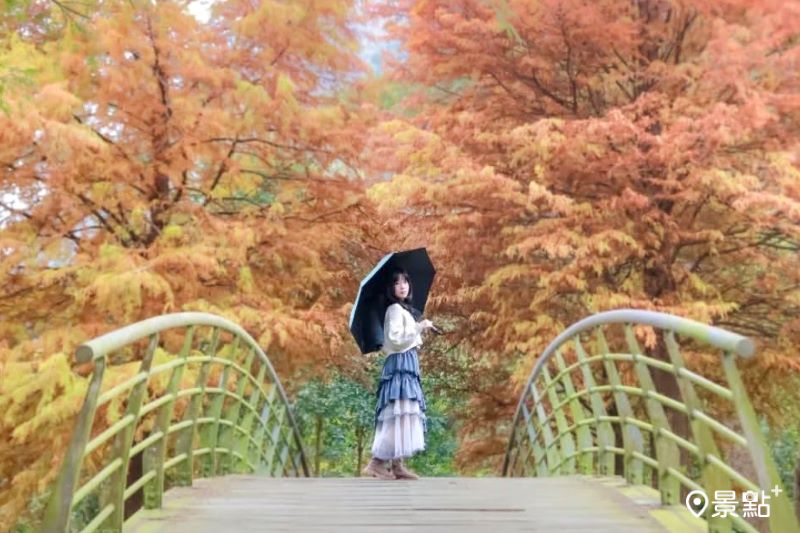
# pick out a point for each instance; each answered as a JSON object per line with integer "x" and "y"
{"x": 585, "y": 411}
{"x": 211, "y": 405}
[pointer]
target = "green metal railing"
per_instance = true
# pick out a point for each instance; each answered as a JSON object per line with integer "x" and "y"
{"x": 591, "y": 409}
{"x": 212, "y": 406}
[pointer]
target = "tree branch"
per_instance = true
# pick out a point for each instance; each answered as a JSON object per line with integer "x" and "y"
{"x": 221, "y": 170}
{"x": 68, "y": 9}
{"x": 15, "y": 211}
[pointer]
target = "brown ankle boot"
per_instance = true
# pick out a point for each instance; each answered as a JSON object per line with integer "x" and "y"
{"x": 401, "y": 472}
{"x": 377, "y": 468}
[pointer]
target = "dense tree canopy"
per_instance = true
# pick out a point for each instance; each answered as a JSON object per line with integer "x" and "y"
{"x": 154, "y": 164}
{"x": 569, "y": 157}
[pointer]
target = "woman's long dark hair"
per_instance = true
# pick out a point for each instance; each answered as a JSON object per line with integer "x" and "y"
{"x": 406, "y": 303}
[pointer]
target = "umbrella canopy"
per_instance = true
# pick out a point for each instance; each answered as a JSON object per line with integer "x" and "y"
{"x": 366, "y": 318}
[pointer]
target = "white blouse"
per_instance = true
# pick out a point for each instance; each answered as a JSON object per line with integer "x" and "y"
{"x": 400, "y": 331}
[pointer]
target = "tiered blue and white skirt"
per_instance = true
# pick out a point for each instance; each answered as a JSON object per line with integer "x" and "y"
{"x": 400, "y": 422}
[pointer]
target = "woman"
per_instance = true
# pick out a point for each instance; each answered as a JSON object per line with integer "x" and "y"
{"x": 400, "y": 413}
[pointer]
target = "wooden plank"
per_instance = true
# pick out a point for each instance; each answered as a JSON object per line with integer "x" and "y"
{"x": 251, "y": 503}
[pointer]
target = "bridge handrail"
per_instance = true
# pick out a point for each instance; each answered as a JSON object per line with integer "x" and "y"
{"x": 245, "y": 434}
{"x": 561, "y": 425}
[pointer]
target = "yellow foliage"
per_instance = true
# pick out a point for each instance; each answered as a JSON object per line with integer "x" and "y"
{"x": 213, "y": 182}
{"x": 245, "y": 282}
{"x": 172, "y": 232}
{"x": 121, "y": 293}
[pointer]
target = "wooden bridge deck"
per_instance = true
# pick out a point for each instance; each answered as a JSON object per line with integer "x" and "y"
{"x": 255, "y": 504}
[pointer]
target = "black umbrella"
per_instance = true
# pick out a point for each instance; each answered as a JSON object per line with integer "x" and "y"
{"x": 366, "y": 318}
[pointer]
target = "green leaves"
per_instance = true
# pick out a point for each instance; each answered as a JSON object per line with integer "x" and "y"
{"x": 346, "y": 409}
{"x": 337, "y": 415}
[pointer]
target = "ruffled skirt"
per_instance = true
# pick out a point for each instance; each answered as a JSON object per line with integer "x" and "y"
{"x": 400, "y": 422}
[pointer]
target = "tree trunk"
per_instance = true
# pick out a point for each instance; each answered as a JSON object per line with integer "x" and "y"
{"x": 135, "y": 471}
{"x": 659, "y": 280}
{"x": 359, "y": 450}
{"x": 318, "y": 446}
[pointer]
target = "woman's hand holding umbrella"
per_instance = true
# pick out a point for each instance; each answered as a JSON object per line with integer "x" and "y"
{"x": 427, "y": 324}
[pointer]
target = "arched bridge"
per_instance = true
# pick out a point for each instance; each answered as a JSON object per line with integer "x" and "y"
{"x": 613, "y": 429}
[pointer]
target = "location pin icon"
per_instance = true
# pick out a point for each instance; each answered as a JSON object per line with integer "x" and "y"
{"x": 697, "y": 499}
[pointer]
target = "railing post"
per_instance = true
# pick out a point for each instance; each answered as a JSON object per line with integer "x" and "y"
{"x": 155, "y": 455}
{"x": 540, "y": 463}
{"x": 782, "y": 517}
{"x": 583, "y": 433}
{"x": 605, "y": 433}
{"x": 115, "y": 493}
{"x": 280, "y": 443}
{"x": 713, "y": 478}
{"x": 567, "y": 444}
{"x": 515, "y": 465}
{"x": 249, "y": 417}
{"x": 527, "y": 454}
{"x": 232, "y": 414}
{"x": 262, "y": 434}
{"x": 632, "y": 439}
{"x": 186, "y": 441}
{"x": 551, "y": 451}
{"x": 209, "y": 434}
{"x": 57, "y": 514}
{"x": 666, "y": 451}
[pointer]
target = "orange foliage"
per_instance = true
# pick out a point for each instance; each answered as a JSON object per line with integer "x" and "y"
{"x": 568, "y": 157}
{"x": 154, "y": 164}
